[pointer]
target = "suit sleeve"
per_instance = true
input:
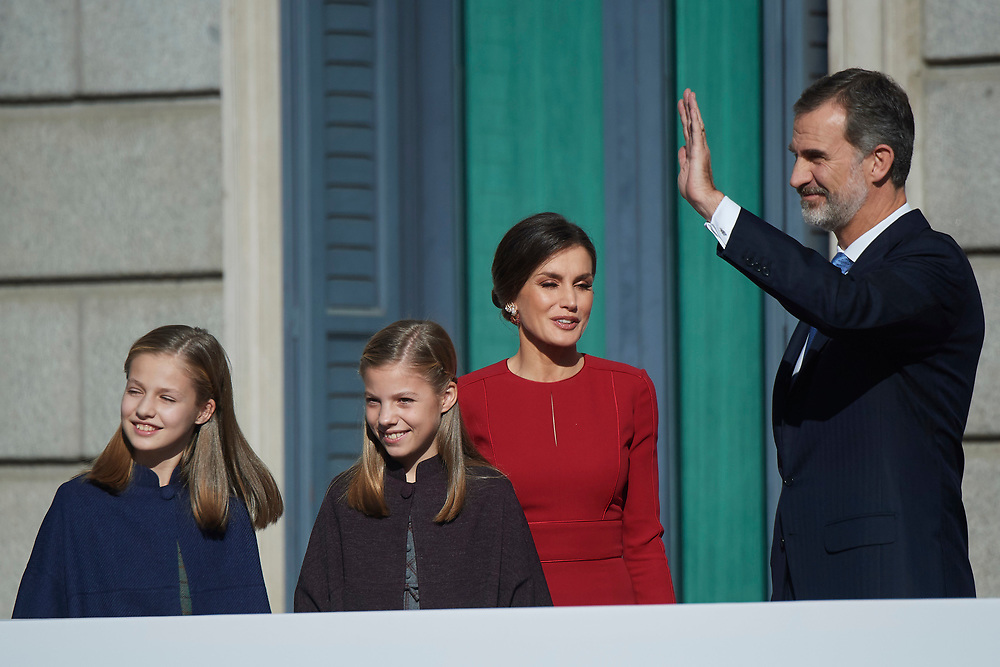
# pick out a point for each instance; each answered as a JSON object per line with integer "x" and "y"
{"x": 321, "y": 579}
{"x": 522, "y": 582}
{"x": 914, "y": 297}
{"x": 43, "y": 591}
{"x": 645, "y": 556}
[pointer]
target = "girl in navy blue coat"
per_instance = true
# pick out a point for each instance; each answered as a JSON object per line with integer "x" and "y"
{"x": 163, "y": 523}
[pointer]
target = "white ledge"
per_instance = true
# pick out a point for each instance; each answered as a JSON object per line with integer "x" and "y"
{"x": 920, "y": 632}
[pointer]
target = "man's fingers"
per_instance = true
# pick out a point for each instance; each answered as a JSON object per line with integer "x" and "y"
{"x": 696, "y": 121}
{"x": 691, "y": 122}
{"x": 694, "y": 178}
{"x": 682, "y": 110}
{"x": 696, "y": 127}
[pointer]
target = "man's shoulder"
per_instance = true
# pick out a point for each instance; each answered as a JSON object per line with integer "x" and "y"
{"x": 914, "y": 231}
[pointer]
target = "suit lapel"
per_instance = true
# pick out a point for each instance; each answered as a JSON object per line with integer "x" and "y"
{"x": 906, "y": 227}
{"x": 783, "y": 380}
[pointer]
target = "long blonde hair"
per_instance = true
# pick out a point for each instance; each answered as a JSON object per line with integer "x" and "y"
{"x": 218, "y": 462}
{"x": 425, "y": 348}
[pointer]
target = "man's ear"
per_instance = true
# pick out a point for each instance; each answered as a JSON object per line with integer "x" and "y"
{"x": 882, "y": 159}
{"x": 206, "y": 412}
{"x": 449, "y": 397}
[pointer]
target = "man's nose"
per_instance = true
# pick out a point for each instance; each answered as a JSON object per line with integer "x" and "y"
{"x": 801, "y": 174}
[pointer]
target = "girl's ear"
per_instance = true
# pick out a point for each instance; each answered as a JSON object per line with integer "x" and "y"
{"x": 206, "y": 412}
{"x": 448, "y": 397}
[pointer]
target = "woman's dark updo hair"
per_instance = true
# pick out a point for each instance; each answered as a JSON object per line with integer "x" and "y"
{"x": 526, "y": 246}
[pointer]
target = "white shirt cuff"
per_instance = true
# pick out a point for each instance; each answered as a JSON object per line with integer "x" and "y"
{"x": 723, "y": 220}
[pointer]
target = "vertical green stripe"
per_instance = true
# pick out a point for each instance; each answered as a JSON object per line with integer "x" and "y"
{"x": 533, "y": 140}
{"x": 721, "y": 422}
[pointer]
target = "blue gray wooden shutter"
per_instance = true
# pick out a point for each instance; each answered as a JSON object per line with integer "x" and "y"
{"x": 369, "y": 214}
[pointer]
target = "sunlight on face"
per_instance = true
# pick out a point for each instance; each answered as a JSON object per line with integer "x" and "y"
{"x": 160, "y": 409}
{"x": 828, "y": 172}
{"x": 555, "y": 303}
{"x": 404, "y": 411}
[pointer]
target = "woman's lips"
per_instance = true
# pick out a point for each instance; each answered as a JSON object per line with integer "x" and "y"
{"x": 566, "y": 323}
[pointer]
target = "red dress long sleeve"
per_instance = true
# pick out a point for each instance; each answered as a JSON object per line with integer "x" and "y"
{"x": 581, "y": 454}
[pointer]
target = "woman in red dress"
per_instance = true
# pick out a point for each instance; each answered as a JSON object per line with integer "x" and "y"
{"x": 575, "y": 434}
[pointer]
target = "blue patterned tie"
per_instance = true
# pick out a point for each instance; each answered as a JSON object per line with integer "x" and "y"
{"x": 844, "y": 263}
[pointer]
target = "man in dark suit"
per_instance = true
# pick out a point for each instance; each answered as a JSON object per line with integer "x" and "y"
{"x": 872, "y": 395}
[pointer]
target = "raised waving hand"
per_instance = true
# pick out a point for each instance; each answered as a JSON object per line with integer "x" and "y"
{"x": 695, "y": 176}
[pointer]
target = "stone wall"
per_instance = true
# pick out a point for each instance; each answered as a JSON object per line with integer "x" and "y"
{"x": 947, "y": 56}
{"x": 961, "y": 158}
{"x": 111, "y": 205}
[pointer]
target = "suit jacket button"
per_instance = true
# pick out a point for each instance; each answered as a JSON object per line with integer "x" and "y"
{"x": 788, "y": 481}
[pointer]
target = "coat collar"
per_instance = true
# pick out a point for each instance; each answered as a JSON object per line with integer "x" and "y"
{"x": 905, "y": 228}
{"x": 908, "y": 226}
{"x": 431, "y": 468}
{"x": 145, "y": 478}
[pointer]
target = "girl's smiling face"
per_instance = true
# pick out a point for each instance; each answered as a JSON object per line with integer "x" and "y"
{"x": 404, "y": 411}
{"x": 160, "y": 409}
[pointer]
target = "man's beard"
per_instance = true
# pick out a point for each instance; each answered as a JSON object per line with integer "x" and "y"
{"x": 839, "y": 208}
